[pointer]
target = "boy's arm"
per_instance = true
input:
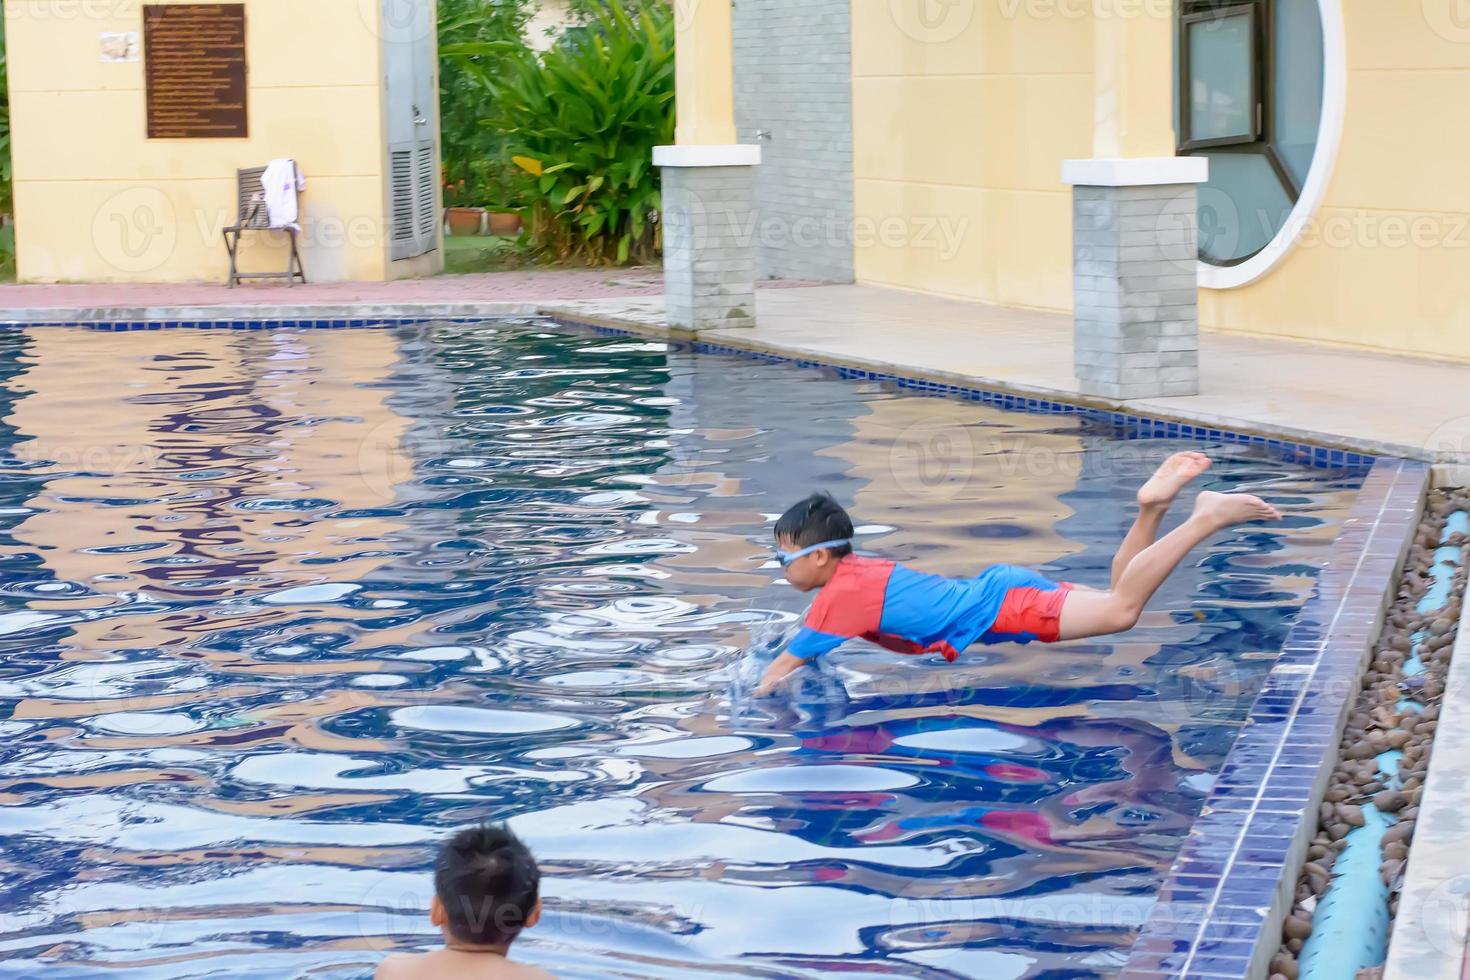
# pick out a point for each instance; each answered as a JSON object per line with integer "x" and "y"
{"x": 807, "y": 645}
{"x": 780, "y": 668}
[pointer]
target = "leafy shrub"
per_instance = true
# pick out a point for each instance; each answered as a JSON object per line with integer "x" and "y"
{"x": 476, "y": 161}
{"x": 6, "y": 199}
{"x": 581, "y": 121}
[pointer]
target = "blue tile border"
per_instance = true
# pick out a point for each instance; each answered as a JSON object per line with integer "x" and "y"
{"x": 1125, "y": 425}
{"x": 1236, "y": 872}
{"x": 266, "y": 323}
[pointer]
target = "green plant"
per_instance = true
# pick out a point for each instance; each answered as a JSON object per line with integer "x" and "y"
{"x": 7, "y": 205}
{"x": 474, "y": 173}
{"x": 581, "y": 121}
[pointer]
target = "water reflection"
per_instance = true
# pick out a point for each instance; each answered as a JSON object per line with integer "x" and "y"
{"x": 279, "y": 609}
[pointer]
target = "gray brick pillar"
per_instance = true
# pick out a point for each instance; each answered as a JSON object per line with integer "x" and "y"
{"x": 1135, "y": 256}
{"x": 709, "y": 235}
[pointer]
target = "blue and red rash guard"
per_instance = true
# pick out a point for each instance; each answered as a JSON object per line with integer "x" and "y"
{"x": 911, "y": 612}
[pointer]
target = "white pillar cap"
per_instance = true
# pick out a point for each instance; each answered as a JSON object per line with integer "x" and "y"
{"x": 729, "y": 155}
{"x": 1135, "y": 171}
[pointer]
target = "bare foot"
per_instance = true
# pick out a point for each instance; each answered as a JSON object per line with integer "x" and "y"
{"x": 1170, "y": 478}
{"x": 1228, "y": 509}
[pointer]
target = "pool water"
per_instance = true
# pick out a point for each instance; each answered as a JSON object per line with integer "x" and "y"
{"x": 280, "y": 609}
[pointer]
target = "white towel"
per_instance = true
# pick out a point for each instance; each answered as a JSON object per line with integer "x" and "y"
{"x": 282, "y": 181}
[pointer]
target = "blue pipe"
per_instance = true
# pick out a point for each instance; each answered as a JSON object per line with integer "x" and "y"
{"x": 1350, "y": 923}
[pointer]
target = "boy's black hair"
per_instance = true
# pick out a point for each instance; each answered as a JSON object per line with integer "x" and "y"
{"x": 488, "y": 883}
{"x": 816, "y": 519}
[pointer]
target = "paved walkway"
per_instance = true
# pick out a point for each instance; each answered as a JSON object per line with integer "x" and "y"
{"x": 1282, "y": 388}
{"x": 528, "y": 285}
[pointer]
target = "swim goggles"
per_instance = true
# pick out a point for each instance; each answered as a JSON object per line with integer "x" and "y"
{"x": 785, "y": 558}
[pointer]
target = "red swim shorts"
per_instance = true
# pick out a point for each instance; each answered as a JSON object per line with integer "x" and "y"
{"x": 1029, "y": 611}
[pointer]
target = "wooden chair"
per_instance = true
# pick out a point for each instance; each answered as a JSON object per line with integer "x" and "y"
{"x": 253, "y": 216}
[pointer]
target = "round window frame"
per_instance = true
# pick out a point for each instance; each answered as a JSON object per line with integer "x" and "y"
{"x": 1319, "y": 174}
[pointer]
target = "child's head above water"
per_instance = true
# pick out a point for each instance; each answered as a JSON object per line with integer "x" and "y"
{"x": 811, "y": 538}
{"x": 487, "y": 887}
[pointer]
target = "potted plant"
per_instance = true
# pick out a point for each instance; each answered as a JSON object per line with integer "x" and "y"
{"x": 504, "y": 222}
{"x": 462, "y": 216}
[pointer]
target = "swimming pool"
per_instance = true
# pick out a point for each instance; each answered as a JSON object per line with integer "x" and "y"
{"x": 280, "y": 608}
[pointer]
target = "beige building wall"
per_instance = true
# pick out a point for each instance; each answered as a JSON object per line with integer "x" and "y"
{"x": 962, "y": 116}
{"x": 96, "y": 200}
{"x": 963, "y": 113}
{"x": 1386, "y": 262}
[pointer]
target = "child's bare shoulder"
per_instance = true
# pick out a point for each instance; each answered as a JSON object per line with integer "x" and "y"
{"x": 430, "y": 966}
{"x": 399, "y": 966}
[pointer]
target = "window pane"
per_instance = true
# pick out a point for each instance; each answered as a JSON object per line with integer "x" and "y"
{"x": 1220, "y": 78}
{"x": 1298, "y": 96}
{"x": 1241, "y": 208}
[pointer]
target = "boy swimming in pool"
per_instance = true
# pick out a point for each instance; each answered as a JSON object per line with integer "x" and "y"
{"x": 910, "y": 612}
{"x": 487, "y": 891}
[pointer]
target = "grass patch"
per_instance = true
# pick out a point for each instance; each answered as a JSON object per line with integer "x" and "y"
{"x": 7, "y": 253}
{"x": 483, "y": 253}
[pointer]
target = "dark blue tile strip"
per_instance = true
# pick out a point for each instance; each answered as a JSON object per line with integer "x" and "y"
{"x": 1123, "y": 424}
{"x": 1236, "y": 872}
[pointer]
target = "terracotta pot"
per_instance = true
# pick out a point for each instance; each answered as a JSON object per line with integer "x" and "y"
{"x": 505, "y": 223}
{"x": 466, "y": 221}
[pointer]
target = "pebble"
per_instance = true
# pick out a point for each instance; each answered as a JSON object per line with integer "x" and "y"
{"x": 1389, "y": 801}
{"x": 1401, "y": 831}
{"x": 1376, "y": 725}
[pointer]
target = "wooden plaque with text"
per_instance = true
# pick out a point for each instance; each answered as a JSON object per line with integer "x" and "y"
{"x": 194, "y": 66}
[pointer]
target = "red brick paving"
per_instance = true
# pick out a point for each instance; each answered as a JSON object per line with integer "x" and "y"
{"x": 525, "y": 286}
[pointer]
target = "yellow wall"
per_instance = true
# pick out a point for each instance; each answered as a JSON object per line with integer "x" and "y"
{"x": 95, "y": 200}
{"x": 1359, "y": 278}
{"x": 964, "y": 119}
